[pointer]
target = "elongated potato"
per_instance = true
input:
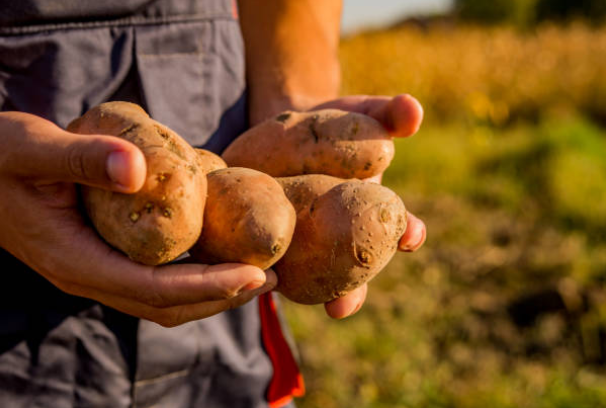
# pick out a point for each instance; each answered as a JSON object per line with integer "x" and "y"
{"x": 331, "y": 142}
{"x": 163, "y": 219}
{"x": 343, "y": 238}
{"x": 248, "y": 219}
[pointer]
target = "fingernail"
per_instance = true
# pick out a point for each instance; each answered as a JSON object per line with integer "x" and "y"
{"x": 348, "y": 313}
{"x": 117, "y": 168}
{"x": 257, "y": 287}
{"x": 358, "y": 307}
{"x": 415, "y": 240}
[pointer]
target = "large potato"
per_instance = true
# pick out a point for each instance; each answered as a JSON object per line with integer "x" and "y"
{"x": 248, "y": 219}
{"x": 343, "y": 237}
{"x": 333, "y": 142}
{"x": 163, "y": 219}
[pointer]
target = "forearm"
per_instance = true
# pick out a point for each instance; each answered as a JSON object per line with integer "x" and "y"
{"x": 291, "y": 53}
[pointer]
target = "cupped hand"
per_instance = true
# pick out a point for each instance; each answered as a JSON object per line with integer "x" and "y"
{"x": 401, "y": 116}
{"x": 42, "y": 225}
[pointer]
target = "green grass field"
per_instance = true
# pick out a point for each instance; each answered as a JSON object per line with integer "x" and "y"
{"x": 505, "y": 304}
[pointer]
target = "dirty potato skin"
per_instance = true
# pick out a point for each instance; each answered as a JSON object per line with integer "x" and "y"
{"x": 247, "y": 219}
{"x": 343, "y": 238}
{"x": 164, "y": 218}
{"x": 209, "y": 161}
{"x": 302, "y": 190}
{"x": 329, "y": 141}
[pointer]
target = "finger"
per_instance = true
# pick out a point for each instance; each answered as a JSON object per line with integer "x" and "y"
{"x": 375, "y": 179}
{"x": 179, "y": 284}
{"x": 98, "y": 266}
{"x": 99, "y": 161}
{"x": 414, "y": 236}
{"x": 175, "y": 315}
{"x": 348, "y": 304}
{"x": 48, "y": 152}
{"x": 401, "y": 115}
{"x": 183, "y": 284}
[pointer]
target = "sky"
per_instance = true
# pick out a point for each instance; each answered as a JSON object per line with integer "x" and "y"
{"x": 361, "y": 14}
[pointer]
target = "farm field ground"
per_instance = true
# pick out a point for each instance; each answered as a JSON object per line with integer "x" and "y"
{"x": 505, "y": 305}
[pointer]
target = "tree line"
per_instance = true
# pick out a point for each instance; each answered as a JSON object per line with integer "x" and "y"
{"x": 530, "y": 12}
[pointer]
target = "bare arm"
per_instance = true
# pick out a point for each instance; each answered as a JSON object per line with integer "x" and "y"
{"x": 292, "y": 63}
{"x": 291, "y": 54}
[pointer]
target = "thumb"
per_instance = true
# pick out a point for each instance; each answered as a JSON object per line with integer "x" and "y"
{"x": 102, "y": 161}
{"x": 46, "y": 152}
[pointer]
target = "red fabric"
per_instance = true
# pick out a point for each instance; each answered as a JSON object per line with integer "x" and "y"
{"x": 234, "y": 9}
{"x": 287, "y": 381}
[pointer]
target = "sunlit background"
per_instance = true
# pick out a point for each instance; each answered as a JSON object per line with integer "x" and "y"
{"x": 505, "y": 306}
{"x": 359, "y": 15}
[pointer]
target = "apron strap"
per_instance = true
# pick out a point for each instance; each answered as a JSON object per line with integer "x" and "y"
{"x": 287, "y": 381}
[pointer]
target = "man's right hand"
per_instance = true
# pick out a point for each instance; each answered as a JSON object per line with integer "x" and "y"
{"x": 42, "y": 226}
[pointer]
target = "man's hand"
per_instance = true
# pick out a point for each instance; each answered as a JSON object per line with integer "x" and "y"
{"x": 43, "y": 227}
{"x": 401, "y": 116}
{"x": 292, "y": 64}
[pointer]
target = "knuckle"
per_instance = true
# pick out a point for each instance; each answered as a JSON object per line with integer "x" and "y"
{"x": 76, "y": 163}
{"x": 156, "y": 299}
{"x": 227, "y": 293}
{"x": 67, "y": 287}
{"x": 216, "y": 288}
{"x": 154, "y": 295}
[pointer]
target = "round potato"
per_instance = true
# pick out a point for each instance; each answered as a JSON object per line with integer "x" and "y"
{"x": 164, "y": 218}
{"x": 248, "y": 219}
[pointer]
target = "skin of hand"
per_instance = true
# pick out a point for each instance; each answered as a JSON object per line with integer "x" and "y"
{"x": 401, "y": 116}
{"x": 291, "y": 54}
{"x": 292, "y": 64}
{"x": 42, "y": 226}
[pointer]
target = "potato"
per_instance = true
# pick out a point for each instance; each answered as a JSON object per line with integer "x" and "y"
{"x": 302, "y": 190}
{"x": 343, "y": 237}
{"x": 332, "y": 142}
{"x": 163, "y": 219}
{"x": 248, "y": 219}
{"x": 210, "y": 161}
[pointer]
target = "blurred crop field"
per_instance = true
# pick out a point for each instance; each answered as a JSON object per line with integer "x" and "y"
{"x": 505, "y": 305}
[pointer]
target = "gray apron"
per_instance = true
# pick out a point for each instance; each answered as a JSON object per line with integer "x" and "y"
{"x": 181, "y": 60}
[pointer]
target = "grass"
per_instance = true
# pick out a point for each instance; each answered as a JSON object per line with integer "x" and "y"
{"x": 504, "y": 306}
{"x": 491, "y": 75}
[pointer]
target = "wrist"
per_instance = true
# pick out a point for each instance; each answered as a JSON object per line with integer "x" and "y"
{"x": 273, "y": 105}
{"x": 278, "y": 94}
{"x": 291, "y": 54}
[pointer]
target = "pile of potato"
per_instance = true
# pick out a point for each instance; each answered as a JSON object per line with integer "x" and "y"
{"x": 291, "y": 199}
